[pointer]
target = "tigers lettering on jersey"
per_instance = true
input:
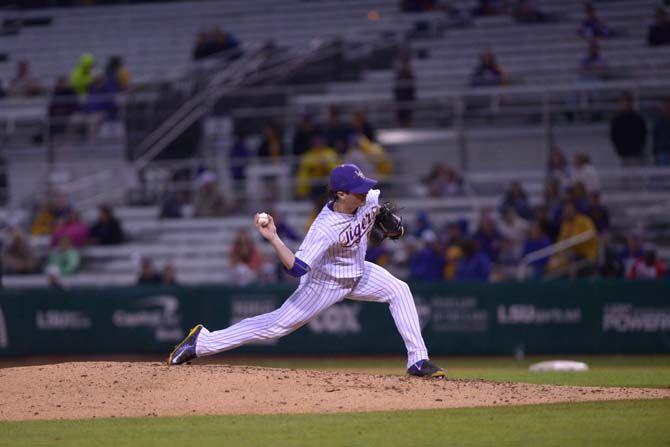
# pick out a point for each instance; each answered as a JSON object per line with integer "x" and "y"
{"x": 352, "y": 234}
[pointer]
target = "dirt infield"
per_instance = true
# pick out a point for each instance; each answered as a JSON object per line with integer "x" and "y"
{"x": 118, "y": 389}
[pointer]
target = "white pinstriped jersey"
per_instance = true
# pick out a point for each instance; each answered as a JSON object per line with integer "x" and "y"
{"x": 336, "y": 243}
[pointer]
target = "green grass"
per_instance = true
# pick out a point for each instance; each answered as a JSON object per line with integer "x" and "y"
{"x": 632, "y": 423}
{"x": 633, "y": 371}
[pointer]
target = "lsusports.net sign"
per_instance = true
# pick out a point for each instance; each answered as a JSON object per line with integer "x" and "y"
{"x": 543, "y": 317}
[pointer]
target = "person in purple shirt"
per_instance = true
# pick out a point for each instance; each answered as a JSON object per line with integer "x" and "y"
{"x": 598, "y": 212}
{"x": 427, "y": 264}
{"x": 487, "y": 235}
{"x": 537, "y": 240}
{"x": 473, "y": 265}
{"x": 516, "y": 197}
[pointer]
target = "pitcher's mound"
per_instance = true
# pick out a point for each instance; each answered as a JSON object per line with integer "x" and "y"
{"x": 116, "y": 389}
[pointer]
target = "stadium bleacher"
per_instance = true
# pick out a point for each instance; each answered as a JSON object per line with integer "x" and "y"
{"x": 542, "y": 61}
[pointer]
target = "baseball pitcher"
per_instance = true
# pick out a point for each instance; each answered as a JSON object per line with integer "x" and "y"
{"x": 331, "y": 266}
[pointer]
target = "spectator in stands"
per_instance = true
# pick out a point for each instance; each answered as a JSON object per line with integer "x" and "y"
{"x": 209, "y": 43}
{"x": 631, "y": 252}
{"x": 611, "y": 265}
{"x": 513, "y": 228}
{"x": 404, "y": 92}
{"x": 18, "y": 256}
{"x": 598, "y": 212}
{"x": 148, "y": 274}
{"x": 427, "y": 264}
{"x": 552, "y": 199}
{"x": 62, "y": 105}
{"x": 203, "y": 46}
{"x": 422, "y": 223}
{"x": 100, "y": 107}
{"x": 488, "y": 72}
{"x": 361, "y": 126}
{"x": 628, "y": 132}
{"x": 315, "y": 166}
{"x": 487, "y": 235}
{"x": 662, "y": 134}
{"x": 453, "y": 234}
{"x": 516, "y": 197}
{"x": 557, "y": 168}
{"x": 209, "y": 201}
{"x": 647, "y": 267}
{"x": 48, "y": 213}
{"x": 64, "y": 257}
{"x": 23, "y": 84}
{"x": 117, "y": 75}
{"x": 169, "y": 275}
{"x": 44, "y": 220}
{"x": 107, "y": 229}
{"x": 72, "y": 228}
{"x": 659, "y": 32}
{"x": 245, "y": 259}
{"x": 537, "y": 240}
{"x": 82, "y": 75}
{"x": 578, "y": 196}
{"x": 454, "y": 254}
{"x": 574, "y": 224}
{"x": 335, "y": 131}
{"x": 591, "y": 26}
{"x": 550, "y": 227}
{"x": 443, "y": 181}
{"x": 584, "y": 172}
{"x": 271, "y": 145}
{"x": 369, "y": 156}
{"x": 473, "y": 264}
{"x": 378, "y": 255}
{"x": 304, "y": 134}
{"x": 594, "y": 66}
{"x": 173, "y": 204}
{"x": 507, "y": 264}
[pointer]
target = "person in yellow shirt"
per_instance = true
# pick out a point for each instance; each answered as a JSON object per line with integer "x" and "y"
{"x": 314, "y": 169}
{"x": 573, "y": 224}
{"x": 81, "y": 76}
{"x": 368, "y": 155}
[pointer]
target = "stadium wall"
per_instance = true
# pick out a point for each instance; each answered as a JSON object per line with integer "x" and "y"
{"x": 569, "y": 317}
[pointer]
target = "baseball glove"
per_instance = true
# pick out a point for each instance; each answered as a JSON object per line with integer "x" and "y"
{"x": 387, "y": 224}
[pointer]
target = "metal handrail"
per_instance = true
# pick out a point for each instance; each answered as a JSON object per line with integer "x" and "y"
{"x": 551, "y": 250}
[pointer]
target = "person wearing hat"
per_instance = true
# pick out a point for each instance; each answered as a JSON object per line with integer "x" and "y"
{"x": 331, "y": 266}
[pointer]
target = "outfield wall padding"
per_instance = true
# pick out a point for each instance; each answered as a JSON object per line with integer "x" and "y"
{"x": 559, "y": 317}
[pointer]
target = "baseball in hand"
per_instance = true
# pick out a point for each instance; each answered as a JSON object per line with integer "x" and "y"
{"x": 263, "y": 219}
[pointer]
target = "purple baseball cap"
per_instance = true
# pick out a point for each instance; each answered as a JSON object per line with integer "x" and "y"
{"x": 350, "y": 178}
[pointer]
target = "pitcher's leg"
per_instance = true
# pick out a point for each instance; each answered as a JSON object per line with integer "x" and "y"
{"x": 304, "y": 304}
{"x": 378, "y": 285}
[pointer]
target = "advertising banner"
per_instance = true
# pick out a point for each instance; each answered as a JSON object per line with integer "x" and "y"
{"x": 560, "y": 317}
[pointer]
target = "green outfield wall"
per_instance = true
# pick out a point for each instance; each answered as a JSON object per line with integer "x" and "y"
{"x": 457, "y": 318}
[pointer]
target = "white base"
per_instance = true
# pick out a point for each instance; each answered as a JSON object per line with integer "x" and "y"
{"x": 559, "y": 365}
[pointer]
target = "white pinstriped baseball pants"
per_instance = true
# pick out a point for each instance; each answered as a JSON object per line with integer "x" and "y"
{"x": 316, "y": 294}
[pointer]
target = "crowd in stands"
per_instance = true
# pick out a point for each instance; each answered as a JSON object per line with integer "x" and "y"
{"x": 81, "y": 103}
{"x": 571, "y": 207}
{"x": 150, "y": 275}
{"x": 319, "y": 146}
{"x": 67, "y": 232}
